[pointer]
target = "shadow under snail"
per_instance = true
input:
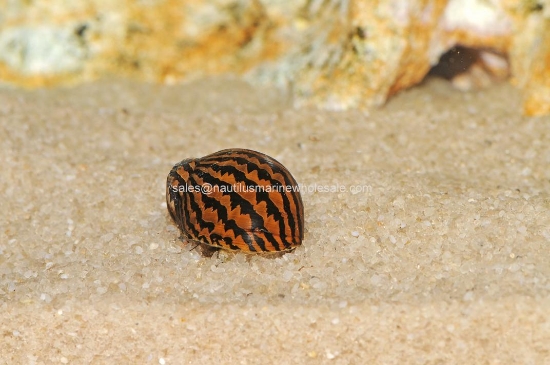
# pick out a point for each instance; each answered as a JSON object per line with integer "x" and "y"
{"x": 236, "y": 200}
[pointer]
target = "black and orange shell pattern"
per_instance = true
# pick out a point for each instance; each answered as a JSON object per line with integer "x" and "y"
{"x": 238, "y": 200}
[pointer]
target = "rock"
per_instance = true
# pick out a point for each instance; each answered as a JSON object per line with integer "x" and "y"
{"x": 335, "y": 54}
{"x": 530, "y": 56}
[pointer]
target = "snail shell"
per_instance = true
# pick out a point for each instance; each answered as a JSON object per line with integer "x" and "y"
{"x": 238, "y": 200}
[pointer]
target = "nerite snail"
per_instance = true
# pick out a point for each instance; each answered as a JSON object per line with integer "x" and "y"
{"x": 237, "y": 200}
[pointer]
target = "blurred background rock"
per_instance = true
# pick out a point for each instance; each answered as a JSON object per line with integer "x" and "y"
{"x": 335, "y": 54}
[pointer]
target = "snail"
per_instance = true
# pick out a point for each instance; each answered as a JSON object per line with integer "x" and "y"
{"x": 236, "y": 200}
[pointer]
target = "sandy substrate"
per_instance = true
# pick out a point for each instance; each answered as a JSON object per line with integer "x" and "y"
{"x": 441, "y": 258}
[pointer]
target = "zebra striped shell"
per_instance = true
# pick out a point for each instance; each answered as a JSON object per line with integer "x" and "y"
{"x": 257, "y": 206}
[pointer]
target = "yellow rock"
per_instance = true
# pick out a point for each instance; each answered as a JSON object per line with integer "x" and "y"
{"x": 335, "y": 54}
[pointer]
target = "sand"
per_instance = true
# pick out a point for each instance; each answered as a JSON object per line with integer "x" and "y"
{"x": 439, "y": 255}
